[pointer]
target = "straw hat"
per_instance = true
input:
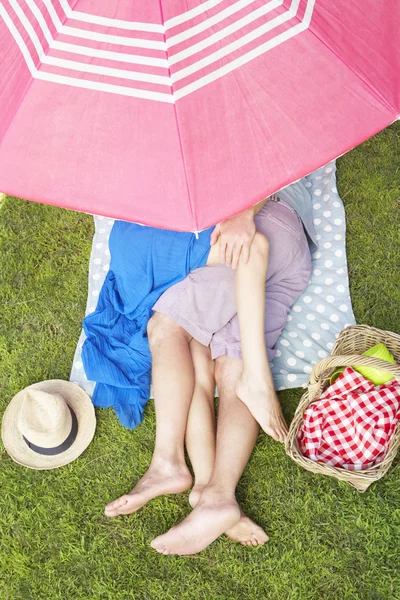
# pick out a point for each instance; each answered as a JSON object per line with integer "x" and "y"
{"x": 48, "y": 424}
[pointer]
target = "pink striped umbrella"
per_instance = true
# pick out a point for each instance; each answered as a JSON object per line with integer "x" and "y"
{"x": 180, "y": 113}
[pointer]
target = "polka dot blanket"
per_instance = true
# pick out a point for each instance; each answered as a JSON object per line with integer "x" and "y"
{"x": 318, "y": 316}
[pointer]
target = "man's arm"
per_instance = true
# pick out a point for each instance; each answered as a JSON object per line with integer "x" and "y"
{"x": 236, "y": 235}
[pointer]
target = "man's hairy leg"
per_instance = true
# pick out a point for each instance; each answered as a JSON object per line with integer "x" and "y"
{"x": 173, "y": 385}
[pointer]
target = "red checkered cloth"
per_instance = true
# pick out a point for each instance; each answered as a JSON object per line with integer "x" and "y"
{"x": 351, "y": 424}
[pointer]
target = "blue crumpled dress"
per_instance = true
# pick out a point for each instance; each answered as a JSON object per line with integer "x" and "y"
{"x": 144, "y": 262}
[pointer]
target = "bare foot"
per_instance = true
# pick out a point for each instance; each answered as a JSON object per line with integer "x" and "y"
{"x": 157, "y": 481}
{"x": 212, "y": 516}
{"x": 246, "y": 532}
{"x": 263, "y": 403}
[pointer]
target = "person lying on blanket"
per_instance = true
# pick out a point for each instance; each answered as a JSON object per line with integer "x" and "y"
{"x": 194, "y": 324}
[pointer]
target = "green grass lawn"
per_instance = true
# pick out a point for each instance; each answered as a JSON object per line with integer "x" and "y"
{"x": 327, "y": 541}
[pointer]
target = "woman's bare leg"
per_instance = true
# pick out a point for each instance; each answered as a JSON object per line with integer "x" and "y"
{"x": 173, "y": 385}
{"x": 201, "y": 443}
{"x": 200, "y": 431}
{"x": 255, "y": 387}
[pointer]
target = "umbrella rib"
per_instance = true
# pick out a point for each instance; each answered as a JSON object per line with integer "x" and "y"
{"x": 196, "y": 229}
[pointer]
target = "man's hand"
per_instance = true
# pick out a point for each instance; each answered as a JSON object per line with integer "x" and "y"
{"x": 235, "y": 236}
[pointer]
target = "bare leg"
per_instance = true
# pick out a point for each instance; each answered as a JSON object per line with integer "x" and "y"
{"x": 200, "y": 442}
{"x": 200, "y": 431}
{"x": 217, "y": 510}
{"x": 255, "y": 386}
{"x": 173, "y": 384}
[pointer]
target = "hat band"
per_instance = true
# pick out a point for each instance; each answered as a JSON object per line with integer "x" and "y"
{"x": 62, "y": 447}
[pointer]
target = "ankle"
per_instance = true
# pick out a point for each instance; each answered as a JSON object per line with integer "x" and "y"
{"x": 257, "y": 379}
{"x": 198, "y": 488}
{"x": 168, "y": 462}
{"x": 218, "y": 492}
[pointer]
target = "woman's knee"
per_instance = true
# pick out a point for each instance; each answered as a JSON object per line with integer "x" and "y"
{"x": 260, "y": 242}
{"x": 259, "y": 248}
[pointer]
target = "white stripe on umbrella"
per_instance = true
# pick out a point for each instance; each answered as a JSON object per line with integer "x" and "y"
{"x": 83, "y": 50}
{"x": 103, "y": 87}
{"x": 110, "y": 55}
{"x": 201, "y": 45}
{"x": 283, "y": 37}
{"x": 174, "y": 40}
{"x": 210, "y": 22}
{"x": 109, "y": 22}
{"x": 99, "y": 37}
{"x": 109, "y": 71}
{"x": 241, "y": 23}
{"x": 111, "y": 39}
{"x": 169, "y": 24}
{"x": 190, "y": 14}
{"x": 148, "y": 77}
{"x": 135, "y": 25}
{"x": 233, "y": 46}
{"x": 223, "y": 33}
{"x": 77, "y": 66}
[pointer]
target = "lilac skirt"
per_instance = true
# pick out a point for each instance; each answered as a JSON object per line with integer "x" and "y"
{"x": 204, "y": 303}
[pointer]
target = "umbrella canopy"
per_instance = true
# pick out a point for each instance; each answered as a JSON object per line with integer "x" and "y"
{"x": 180, "y": 113}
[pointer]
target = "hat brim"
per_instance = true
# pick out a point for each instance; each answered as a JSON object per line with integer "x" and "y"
{"x": 82, "y": 406}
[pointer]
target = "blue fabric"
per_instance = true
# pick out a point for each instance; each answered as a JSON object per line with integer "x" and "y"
{"x": 144, "y": 262}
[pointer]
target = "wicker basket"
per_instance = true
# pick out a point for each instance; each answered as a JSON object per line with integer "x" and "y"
{"x": 347, "y": 351}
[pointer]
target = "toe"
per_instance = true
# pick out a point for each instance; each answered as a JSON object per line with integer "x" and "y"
{"x": 117, "y": 507}
{"x": 282, "y": 433}
{"x": 273, "y": 433}
{"x": 113, "y": 507}
{"x": 262, "y": 541}
{"x": 118, "y": 503}
{"x": 261, "y": 537}
{"x": 158, "y": 544}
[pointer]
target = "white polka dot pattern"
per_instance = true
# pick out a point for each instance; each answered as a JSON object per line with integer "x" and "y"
{"x": 325, "y": 307}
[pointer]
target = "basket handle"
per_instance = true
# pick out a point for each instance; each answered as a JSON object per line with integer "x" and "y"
{"x": 349, "y": 360}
